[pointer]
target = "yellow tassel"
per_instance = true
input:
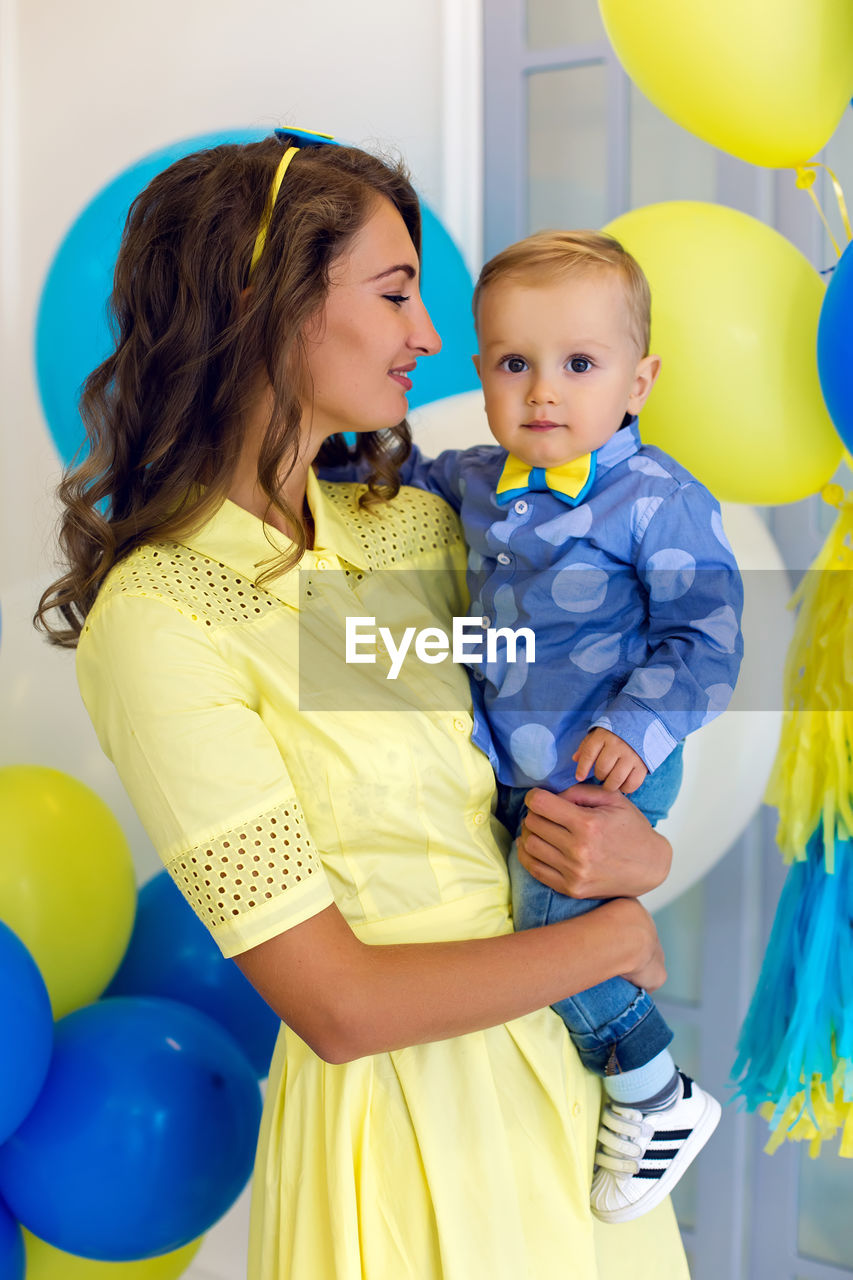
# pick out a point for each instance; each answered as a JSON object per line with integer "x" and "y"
{"x": 812, "y": 779}
{"x": 821, "y": 1123}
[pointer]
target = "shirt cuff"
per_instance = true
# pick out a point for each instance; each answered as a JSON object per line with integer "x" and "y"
{"x": 643, "y": 731}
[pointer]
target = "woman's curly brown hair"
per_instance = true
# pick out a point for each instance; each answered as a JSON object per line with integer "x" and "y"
{"x": 164, "y": 413}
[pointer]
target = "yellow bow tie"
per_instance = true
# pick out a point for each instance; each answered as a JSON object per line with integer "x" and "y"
{"x": 570, "y": 482}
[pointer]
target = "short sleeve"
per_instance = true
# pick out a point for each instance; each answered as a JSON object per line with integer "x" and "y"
{"x": 202, "y": 770}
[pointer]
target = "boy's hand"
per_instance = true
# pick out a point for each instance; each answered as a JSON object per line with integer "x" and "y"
{"x": 616, "y": 765}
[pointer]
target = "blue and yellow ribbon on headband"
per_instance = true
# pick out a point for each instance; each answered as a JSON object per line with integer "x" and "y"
{"x": 306, "y": 139}
{"x": 569, "y": 482}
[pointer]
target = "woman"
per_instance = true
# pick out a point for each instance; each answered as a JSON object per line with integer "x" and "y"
{"x": 426, "y": 1115}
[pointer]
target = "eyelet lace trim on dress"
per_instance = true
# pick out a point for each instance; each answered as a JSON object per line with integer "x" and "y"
{"x": 416, "y": 522}
{"x": 200, "y": 588}
{"x": 247, "y": 866}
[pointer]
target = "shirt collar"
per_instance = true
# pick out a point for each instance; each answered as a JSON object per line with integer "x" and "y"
{"x": 621, "y": 445}
{"x": 234, "y": 537}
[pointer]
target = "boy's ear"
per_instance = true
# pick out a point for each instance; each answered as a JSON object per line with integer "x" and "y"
{"x": 476, "y": 360}
{"x": 644, "y": 379}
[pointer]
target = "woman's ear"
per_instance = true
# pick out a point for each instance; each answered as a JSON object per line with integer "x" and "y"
{"x": 476, "y": 360}
{"x": 645, "y": 377}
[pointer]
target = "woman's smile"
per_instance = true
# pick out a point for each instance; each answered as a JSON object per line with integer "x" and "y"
{"x": 399, "y": 375}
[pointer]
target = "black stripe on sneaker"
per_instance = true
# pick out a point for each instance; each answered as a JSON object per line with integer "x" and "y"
{"x": 671, "y": 1135}
{"x": 650, "y": 1173}
{"x": 668, "y": 1153}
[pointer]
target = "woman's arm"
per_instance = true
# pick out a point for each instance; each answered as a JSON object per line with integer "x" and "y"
{"x": 348, "y": 1000}
{"x": 590, "y": 843}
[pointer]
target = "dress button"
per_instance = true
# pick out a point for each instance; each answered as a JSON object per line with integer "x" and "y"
{"x": 479, "y": 819}
{"x": 486, "y": 621}
{"x": 459, "y": 724}
{"x": 478, "y": 675}
{"x": 503, "y": 558}
{"x": 520, "y": 507}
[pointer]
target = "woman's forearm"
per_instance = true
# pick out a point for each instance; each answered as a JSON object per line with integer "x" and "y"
{"x": 348, "y": 999}
{"x": 410, "y": 997}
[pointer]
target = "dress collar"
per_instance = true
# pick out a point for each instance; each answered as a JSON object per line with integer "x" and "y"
{"x": 234, "y": 537}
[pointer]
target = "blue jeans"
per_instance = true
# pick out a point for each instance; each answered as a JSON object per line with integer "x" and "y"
{"x": 615, "y": 1026}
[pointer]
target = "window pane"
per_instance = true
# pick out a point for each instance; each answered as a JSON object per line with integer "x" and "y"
{"x": 825, "y": 1198}
{"x": 680, "y": 928}
{"x": 567, "y": 147}
{"x": 667, "y": 162}
{"x": 551, "y": 23}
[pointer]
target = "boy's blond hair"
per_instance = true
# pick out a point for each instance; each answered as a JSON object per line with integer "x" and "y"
{"x": 539, "y": 258}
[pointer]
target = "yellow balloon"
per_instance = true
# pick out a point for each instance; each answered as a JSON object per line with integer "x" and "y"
{"x": 67, "y": 884}
{"x": 765, "y": 81}
{"x": 46, "y": 1263}
{"x": 735, "y": 311}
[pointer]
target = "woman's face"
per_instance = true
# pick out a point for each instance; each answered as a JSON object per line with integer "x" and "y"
{"x": 362, "y": 349}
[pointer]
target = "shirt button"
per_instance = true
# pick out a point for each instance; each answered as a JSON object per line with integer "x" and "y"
{"x": 503, "y": 558}
{"x": 520, "y": 507}
{"x": 487, "y": 622}
{"x": 479, "y": 819}
{"x": 576, "y": 1110}
{"x": 322, "y": 564}
{"x": 459, "y": 724}
{"x": 478, "y": 675}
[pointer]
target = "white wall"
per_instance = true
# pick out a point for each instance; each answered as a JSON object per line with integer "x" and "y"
{"x": 88, "y": 87}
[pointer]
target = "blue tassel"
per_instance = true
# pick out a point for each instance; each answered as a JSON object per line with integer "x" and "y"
{"x": 795, "y": 1051}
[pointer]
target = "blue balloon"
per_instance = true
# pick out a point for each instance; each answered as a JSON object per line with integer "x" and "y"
{"x": 143, "y": 1135}
{"x": 79, "y": 283}
{"x": 447, "y": 290}
{"x": 171, "y": 954}
{"x": 26, "y": 1032}
{"x": 12, "y": 1257}
{"x": 835, "y": 347}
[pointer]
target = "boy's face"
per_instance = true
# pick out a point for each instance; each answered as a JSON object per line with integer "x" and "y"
{"x": 559, "y": 365}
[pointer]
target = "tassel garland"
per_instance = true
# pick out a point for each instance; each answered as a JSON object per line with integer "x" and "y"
{"x": 795, "y": 1053}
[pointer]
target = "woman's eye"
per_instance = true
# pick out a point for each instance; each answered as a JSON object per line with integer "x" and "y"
{"x": 397, "y": 298}
{"x": 513, "y": 364}
{"x": 579, "y": 364}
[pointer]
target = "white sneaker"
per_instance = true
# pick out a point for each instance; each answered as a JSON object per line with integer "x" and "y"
{"x": 642, "y": 1154}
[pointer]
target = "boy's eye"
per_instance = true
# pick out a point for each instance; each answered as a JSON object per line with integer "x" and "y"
{"x": 513, "y": 364}
{"x": 397, "y": 298}
{"x": 579, "y": 364}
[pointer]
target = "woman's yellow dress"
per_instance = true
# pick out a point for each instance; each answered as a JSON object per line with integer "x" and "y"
{"x": 274, "y": 778}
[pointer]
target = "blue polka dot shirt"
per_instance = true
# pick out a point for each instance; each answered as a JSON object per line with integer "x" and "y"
{"x": 633, "y": 597}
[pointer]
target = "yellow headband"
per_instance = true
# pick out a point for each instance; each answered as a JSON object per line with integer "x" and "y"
{"x": 261, "y": 238}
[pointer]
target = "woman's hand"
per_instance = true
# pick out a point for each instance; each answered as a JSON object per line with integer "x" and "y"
{"x": 590, "y": 843}
{"x": 630, "y": 917}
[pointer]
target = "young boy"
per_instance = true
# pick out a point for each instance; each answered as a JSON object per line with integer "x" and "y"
{"x": 615, "y": 557}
